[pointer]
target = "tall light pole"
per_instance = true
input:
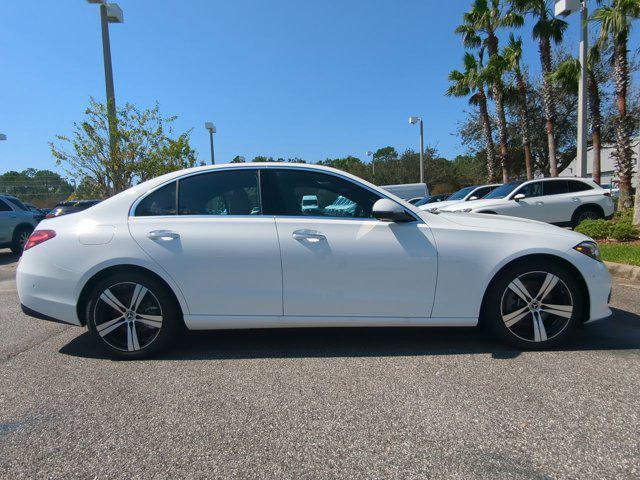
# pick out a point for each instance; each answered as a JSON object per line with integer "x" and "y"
{"x": 564, "y": 8}
{"x": 373, "y": 165}
{"x": 109, "y": 13}
{"x": 413, "y": 121}
{"x": 212, "y": 129}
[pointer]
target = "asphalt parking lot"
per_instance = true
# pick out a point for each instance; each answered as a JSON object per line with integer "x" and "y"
{"x": 331, "y": 403}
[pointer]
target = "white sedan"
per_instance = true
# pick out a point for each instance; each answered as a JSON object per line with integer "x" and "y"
{"x": 230, "y": 247}
{"x": 466, "y": 194}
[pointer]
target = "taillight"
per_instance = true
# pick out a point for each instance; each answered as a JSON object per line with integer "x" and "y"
{"x": 37, "y": 237}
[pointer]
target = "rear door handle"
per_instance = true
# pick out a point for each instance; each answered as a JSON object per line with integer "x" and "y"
{"x": 308, "y": 235}
{"x": 575, "y": 199}
{"x": 539, "y": 203}
{"x": 163, "y": 235}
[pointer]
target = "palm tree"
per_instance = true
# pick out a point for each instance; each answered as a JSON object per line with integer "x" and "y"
{"x": 615, "y": 25}
{"x": 472, "y": 81}
{"x": 480, "y": 26}
{"x": 546, "y": 30}
{"x": 567, "y": 75}
{"x": 511, "y": 56}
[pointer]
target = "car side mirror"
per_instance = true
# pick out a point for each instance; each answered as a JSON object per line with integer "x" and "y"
{"x": 387, "y": 210}
{"x": 519, "y": 197}
{"x": 472, "y": 198}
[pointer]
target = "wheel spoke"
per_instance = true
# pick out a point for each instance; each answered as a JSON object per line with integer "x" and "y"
{"x": 539, "y": 332}
{"x": 132, "y": 338}
{"x": 110, "y": 299}
{"x": 565, "y": 311}
{"x": 110, "y": 326}
{"x": 150, "y": 320}
{"x": 138, "y": 294}
{"x": 514, "y": 317}
{"x": 518, "y": 287}
{"x": 549, "y": 284}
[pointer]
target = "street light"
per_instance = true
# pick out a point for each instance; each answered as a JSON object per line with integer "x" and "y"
{"x": 413, "y": 121}
{"x": 109, "y": 13}
{"x": 369, "y": 153}
{"x": 212, "y": 129}
{"x": 564, "y": 8}
{"x": 2, "y": 136}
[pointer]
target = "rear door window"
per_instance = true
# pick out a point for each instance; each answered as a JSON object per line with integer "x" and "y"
{"x": 160, "y": 202}
{"x": 555, "y": 187}
{"x": 577, "y": 186}
{"x": 4, "y": 207}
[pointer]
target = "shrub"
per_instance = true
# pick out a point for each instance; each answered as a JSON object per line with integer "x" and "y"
{"x": 598, "y": 229}
{"x": 625, "y": 215}
{"x": 623, "y": 231}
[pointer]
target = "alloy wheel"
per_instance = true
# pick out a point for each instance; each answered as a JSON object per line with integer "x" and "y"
{"x": 587, "y": 215}
{"x": 23, "y": 236}
{"x": 128, "y": 328}
{"x": 536, "y": 306}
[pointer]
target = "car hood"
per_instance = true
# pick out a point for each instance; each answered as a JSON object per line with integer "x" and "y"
{"x": 439, "y": 205}
{"x": 475, "y": 204}
{"x": 503, "y": 223}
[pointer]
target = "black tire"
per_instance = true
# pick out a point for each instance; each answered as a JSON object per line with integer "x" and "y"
{"x": 534, "y": 324}
{"x": 585, "y": 213}
{"x": 20, "y": 237}
{"x": 143, "y": 329}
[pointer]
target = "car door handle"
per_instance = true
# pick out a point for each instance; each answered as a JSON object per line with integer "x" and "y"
{"x": 308, "y": 235}
{"x": 163, "y": 235}
{"x": 539, "y": 203}
{"x": 575, "y": 199}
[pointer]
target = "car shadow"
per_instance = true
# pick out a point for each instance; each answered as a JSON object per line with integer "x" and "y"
{"x": 7, "y": 257}
{"x": 621, "y": 332}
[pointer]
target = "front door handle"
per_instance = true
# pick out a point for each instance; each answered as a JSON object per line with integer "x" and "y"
{"x": 539, "y": 203}
{"x": 312, "y": 235}
{"x": 163, "y": 235}
{"x": 575, "y": 199}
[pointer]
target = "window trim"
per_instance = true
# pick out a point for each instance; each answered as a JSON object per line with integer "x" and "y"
{"x": 134, "y": 205}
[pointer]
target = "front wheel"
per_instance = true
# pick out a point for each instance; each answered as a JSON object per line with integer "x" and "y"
{"x": 534, "y": 304}
{"x": 132, "y": 315}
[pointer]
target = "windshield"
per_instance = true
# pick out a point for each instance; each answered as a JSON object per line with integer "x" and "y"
{"x": 503, "y": 190}
{"x": 460, "y": 194}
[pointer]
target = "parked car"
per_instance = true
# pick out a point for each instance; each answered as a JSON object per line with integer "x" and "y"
{"x": 139, "y": 266}
{"x": 432, "y": 199}
{"x": 467, "y": 194}
{"x": 16, "y": 223}
{"x": 38, "y": 213}
{"x": 65, "y": 208}
{"x": 309, "y": 203}
{"x": 562, "y": 202}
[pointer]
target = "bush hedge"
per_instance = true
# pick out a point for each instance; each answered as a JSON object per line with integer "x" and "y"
{"x": 620, "y": 228}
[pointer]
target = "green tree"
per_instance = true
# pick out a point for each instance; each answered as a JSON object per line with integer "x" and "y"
{"x": 615, "y": 20}
{"x": 567, "y": 75}
{"x": 472, "y": 81}
{"x": 144, "y": 146}
{"x": 510, "y": 61}
{"x": 41, "y": 187}
{"x": 546, "y": 30}
{"x": 480, "y": 28}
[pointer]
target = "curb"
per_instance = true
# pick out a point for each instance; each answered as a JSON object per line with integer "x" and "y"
{"x": 620, "y": 270}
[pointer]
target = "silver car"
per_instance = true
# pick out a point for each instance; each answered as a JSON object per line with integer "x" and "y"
{"x": 16, "y": 223}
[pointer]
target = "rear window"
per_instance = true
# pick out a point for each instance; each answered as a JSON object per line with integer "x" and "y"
{"x": 160, "y": 202}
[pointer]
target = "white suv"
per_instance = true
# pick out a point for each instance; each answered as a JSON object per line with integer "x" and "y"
{"x": 561, "y": 201}
{"x": 16, "y": 223}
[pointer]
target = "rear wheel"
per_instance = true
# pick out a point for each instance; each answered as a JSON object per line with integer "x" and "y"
{"x": 132, "y": 315}
{"x": 585, "y": 213}
{"x": 534, "y": 304}
{"x": 20, "y": 237}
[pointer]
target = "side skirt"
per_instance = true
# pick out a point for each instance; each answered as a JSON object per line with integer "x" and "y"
{"x": 215, "y": 322}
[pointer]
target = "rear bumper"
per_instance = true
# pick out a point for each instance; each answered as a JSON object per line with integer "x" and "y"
{"x": 41, "y": 316}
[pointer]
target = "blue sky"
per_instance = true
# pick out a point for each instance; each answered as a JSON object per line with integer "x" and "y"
{"x": 281, "y": 78}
